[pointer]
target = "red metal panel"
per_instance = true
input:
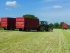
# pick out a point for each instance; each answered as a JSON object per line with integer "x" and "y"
{"x": 26, "y": 22}
{"x": 0, "y": 22}
{"x": 31, "y": 23}
{"x": 11, "y": 22}
{"x": 4, "y": 19}
{"x": 8, "y": 22}
{"x": 19, "y": 19}
{"x": 65, "y": 26}
{"x": 19, "y": 22}
{"x": 3, "y": 24}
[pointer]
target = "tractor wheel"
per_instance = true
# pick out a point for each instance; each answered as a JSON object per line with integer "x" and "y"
{"x": 50, "y": 29}
{"x": 42, "y": 28}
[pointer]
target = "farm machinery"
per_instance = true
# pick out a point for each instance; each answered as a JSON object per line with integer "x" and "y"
{"x": 28, "y": 24}
{"x": 65, "y": 26}
{"x": 24, "y": 24}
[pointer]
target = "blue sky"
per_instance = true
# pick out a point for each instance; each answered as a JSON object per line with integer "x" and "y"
{"x": 48, "y": 10}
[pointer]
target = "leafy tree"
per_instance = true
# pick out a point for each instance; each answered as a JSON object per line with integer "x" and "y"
{"x": 56, "y": 25}
{"x": 69, "y": 26}
{"x": 51, "y": 24}
{"x": 29, "y": 16}
{"x": 60, "y": 25}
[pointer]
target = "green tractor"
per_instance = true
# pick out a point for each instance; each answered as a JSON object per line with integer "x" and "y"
{"x": 43, "y": 26}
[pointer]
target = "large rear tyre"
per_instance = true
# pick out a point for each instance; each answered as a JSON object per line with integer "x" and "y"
{"x": 42, "y": 28}
{"x": 50, "y": 29}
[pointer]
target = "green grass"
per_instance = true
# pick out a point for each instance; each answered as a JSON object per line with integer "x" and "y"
{"x": 1, "y": 28}
{"x": 67, "y": 36}
{"x": 57, "y": 41}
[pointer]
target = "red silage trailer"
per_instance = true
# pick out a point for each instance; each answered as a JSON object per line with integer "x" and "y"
{"x": 26, "y": 24}
{"x": 8, "y": 23}
{"x": 64, "y": 26}
{"x": 0, "y": 22}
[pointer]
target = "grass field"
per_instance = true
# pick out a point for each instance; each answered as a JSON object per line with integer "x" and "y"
{"x": 57, "y": 41}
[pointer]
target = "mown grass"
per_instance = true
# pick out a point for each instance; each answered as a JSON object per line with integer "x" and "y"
{"x": 33, "y": 42}
{"x": 67, "y": 35}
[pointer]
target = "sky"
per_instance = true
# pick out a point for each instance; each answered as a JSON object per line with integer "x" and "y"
{"x": 47, "y": 10}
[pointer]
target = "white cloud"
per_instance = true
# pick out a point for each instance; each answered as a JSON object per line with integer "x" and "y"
{"x": 57, "y": 6}
{"x": 51, "y": 7}
{"x": 12, "y": 3}
{"x": 8, "y": 9}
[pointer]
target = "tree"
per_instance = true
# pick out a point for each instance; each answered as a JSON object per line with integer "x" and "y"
{"x": 51, "y": 24}
{"x": 56, "y": 25}
{"x": 29, "y": 16}
{"x": 60, "y": 25}
{"x": 69, "y": 26}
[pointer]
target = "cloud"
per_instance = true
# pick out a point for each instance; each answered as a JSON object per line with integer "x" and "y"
{"x": 57, "y": 6}
{"x": 12, "y": 3}
{"x": 51, "y": 7}
{"x": 8, "y": 9}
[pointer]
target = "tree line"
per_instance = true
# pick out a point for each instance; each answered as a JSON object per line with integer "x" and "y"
{"x": 57, "y": 25}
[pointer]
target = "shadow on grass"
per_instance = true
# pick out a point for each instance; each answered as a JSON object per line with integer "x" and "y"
{"x": 2, "y": 30}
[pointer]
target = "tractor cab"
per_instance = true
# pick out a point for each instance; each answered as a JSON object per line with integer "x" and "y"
{"x": 43, "y": 23}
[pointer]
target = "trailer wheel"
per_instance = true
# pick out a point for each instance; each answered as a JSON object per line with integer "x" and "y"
{"x": 42, "y": 28}
{"x": 5, "y": 29}
{"x": 38, "y": 29}
{"x": 13, "y": 28}
{"x": 20, "y": 29}
{"x": 8, "y": 28}
{"x": 28, "y": 29}
{"x": 65, "y": 28}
